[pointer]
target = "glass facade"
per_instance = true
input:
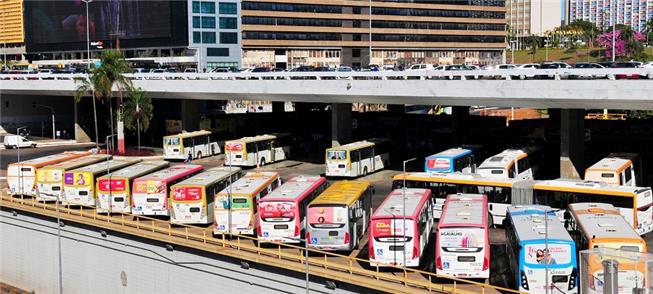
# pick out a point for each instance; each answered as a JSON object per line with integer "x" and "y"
{"x": 203, "y": 7}
{"x": 228, "y": 8}
{"x": 228, "y": 38}
{"x": 228, "y": 23}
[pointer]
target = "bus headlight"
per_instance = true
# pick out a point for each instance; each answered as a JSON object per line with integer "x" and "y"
{"x": 572, "y": 280}
{"x": 524, "y": 281}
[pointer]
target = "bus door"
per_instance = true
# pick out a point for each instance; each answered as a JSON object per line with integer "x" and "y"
{"x": 275, "y": 152}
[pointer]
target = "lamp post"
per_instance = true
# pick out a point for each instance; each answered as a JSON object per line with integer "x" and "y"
{"x": 613, "y": 20}
{"x": 546, "y": 50}
{"x": 546, "y": 250}
{"x": 403, "y": 206}
{"x": 88, "y": 39}
{"x": 20, "y": 173}
{"x": 109, "y": 174}
{"x": 512, "y": 51}
{"x": 52, "y": 113}
{"x": 4, "y": 39}
{"x": 370, "y": 32}
{"x": 305, "y": 240}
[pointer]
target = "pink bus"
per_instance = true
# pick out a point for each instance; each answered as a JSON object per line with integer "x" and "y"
{"x": 282, "y": 213}
{"x": 150, "y": 192}
{"x": 462, "y": 246}
{"x": 388, "y": 243}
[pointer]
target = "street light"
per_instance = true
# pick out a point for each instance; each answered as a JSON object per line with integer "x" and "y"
{"x": 109, "y": 174}
{"x": 4, "y": 38}
{"x": 20, "y": 173}
{"x": 305, "y": 240}
{"x": 403, "y": 193}
{"x": 370, "y": 32}
{"x": 546, "y": 45}
{"x": 88, "y": 39}
{"x": 52, "y": 112}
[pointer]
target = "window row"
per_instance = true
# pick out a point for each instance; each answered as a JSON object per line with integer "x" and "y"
{"x": 280, "y": 21}
{"x": 210, "y": 38}
{"x": 437, "y": 25}
{"x": 438, "y": 13}
{"x": 209, "y": 7}
{"x": 375, "y": 37}
{"x": 208, "y": 22}
{"x": 499, "y": 3}
{"x": 291, "y": 7}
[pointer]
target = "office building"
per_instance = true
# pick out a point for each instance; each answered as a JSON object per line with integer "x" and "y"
{"x": 634, "y": 13}
{"x": 533, "y": 17}
{"x": 12, "y": 37}
{"x": 214, "y": 30}
{"x": 292, "y": 33}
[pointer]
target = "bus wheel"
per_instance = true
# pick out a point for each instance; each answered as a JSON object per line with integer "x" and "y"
{"x": 262, "y": 161}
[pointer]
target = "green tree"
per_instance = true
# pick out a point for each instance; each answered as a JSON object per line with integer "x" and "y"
{"x": 138, "y": 112}
{"x": 84, "y": 87}
{"x": 533, "y": 42}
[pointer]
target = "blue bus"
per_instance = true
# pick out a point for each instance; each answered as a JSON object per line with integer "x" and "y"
{"x": 451, "y": 160}
{"x": 540, "y": 251}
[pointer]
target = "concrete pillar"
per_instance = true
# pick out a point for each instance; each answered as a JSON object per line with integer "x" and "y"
{"x": 340, "y": 124}
{"x": 278, "y": 106}
{"x": 572, "y": 143}
{"x": 80, "y": 135}
{"x": 190, "y": 116}
{"x": 459, "y": 118}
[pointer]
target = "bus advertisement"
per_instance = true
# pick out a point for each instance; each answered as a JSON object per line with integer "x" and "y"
{"x": 150, "y": 193}
{"x": 450, "y": 160}
{"x": 79, "y": 184}
{"x": 21, "y": 176}
{"x": 114, "y": 189}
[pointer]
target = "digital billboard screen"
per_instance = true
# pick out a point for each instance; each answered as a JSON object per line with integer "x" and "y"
{"x": 62, "y": 25}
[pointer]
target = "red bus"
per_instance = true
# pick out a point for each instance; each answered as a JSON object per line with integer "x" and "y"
{"x": 150, "y": 192}
{"x": 462, "y": 246}
{"x": 389, "y": 244}
{"x": 282, "y": 213}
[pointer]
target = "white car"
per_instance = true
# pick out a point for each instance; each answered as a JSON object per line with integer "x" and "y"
{"x": 525, "y": 67}
{"x": 420, "y": 67}
{"x": 16, "y": 141}
{"x": 649, "y": 69}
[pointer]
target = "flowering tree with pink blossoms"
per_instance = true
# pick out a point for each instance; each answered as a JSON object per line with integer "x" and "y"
{"x": 628, "y": 43}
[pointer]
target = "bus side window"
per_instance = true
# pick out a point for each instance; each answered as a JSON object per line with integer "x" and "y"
{"x": 627, "y": 175}
{"x": 251, "y": 147}
{"x": 188, "y": 142}
{"x": 355, "y": 155}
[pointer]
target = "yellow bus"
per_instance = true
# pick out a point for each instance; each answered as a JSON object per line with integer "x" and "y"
{"x": 79, "y": 184}
{"x": 114, "y": 189}
{"x": 358, "y": 158}
{"x": 198, "y": 144}
{"x": 236, "y": 206}
{"x": 21, "y": 176}
{"x": 49, "y": 179}
{"x": 338, "y": 218}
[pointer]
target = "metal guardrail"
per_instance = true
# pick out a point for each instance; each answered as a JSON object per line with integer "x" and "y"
{"x": 248, "y": 248}
{"x": 507, "y": 74}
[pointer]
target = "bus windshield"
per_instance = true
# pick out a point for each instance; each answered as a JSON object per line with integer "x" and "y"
{"x": 277, "y": 211}
{"x": 327, "y": 216}
{"x": 551, "y": 254}
{"x": 172, "y": 141}
{"x": 462, "y": 239}
{"x": 337, "y": 155}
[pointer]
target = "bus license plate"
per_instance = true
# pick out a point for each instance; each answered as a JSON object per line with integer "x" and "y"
{"x": 280, "y": 227}
{"x": 466, "y": 258}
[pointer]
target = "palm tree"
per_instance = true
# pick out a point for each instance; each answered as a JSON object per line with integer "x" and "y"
{"x": 138, "y": 112}
{"x": 86, "y": 87}
{"x": 110, "y": 74}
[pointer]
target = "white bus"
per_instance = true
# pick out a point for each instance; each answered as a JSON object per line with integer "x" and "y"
{"x": 21, "y": 176}
{"x": 462, "y": 247}
{"x": 537, "y": 243}
{"x": 79, "y": 184}
{"x": 388, "y": 243}
{"x": 258, "y": 150}
{"x": 114, "y": 189}
{"x": 616, "y": 169}
{"x": 198, "y": 144}
{"x": 192, "y": 199}
{"x": 49, "y": 179}
{"x": 517, "y": 163}
{"x": 358, "y": 158}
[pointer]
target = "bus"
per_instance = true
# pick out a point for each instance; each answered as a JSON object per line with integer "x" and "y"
{"x": 389, "y": 244}
{"x": 235, "y": 206}
{"x": 49, "y": 179}
{"x": 450, "y": 160}
{"x": 150, "y": 192}
{"x": 282, "y": 213}
{"x": 462, "y": 246}
{"x": 79, "y": 183}
{"x": 339, "y": 217}
{"x": 358, "y": 158}
{"x": 258, "y": 150}
{"x": 191, "y": 200}
{"x": 600, "y": 225}
{"x": 540, "y": 251}
{"x": 616, "y": 169}
{"x": 114, "y": 189}
{"x": 196, "y": 144}
{"x": 634, "y": 203}
{"x": 500, "y": 193}
{"x": 21, "y": 176}
{"x": 517, "y": 163}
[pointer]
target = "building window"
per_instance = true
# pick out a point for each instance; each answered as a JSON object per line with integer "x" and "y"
{"x": 208, "y": 7}
{"x": 196, "y": 37}
{"x": 196, "y": 7}
{"x": 196, "y": 22}
{"x": 205, "y": 22}
{"x": 220, "y": 52}
{"x": 208, "y": 37}
{"x": 355, "y": 53}
{"x": 229, "y": 38}
{"x": 228, "y": 23}
{"x": 228, "y": 8}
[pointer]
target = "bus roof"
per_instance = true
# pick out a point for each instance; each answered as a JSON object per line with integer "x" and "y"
{"x": 602, "y": 221}
{"x": 610, "y": 164}
{"x": 393, "y": 204}
{"x": 294, "y": 188}
{"x": 457, "y": 178}
{"x": 254, "y": 139}
{"x": 137, "y": 170}
{"x": 342, "y": 193}
{"x": 352, "y": 146}
{"x": 452, "y": 153}
{"x": 459, "y": 211}
{"x": 79, "y": 162}
{"x": 250, "y": 184}
{"x": 172, "y": 172}
{"x": 530, "y": 223}
{"x": 52, "y": 159}
{"x": 210, "y": 176}
{"x": 103, "y": 166}
{"x": 190, "y": 134}
{"x": 505, "y": 159}
{"x": 589, "y": 187}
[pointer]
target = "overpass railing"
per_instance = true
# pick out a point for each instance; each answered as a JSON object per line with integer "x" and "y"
{"x": 507, "y": 74}
{"x": 336, "y": 266}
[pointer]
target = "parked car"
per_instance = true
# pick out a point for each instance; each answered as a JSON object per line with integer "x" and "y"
{"x": 190, "y": 70}
{"x": 623, "y": 64}
{"x": 554, "y": 65}
{"x": 529, "y": 67}
{"x": 587, "y": 65}
{"x": 420, "y": 67}
{"x": 16, "y": 141}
